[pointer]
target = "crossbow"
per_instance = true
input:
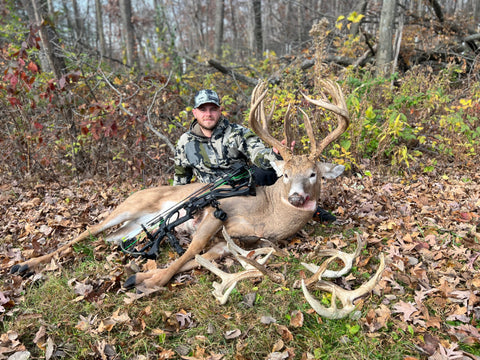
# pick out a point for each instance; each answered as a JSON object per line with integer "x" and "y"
{"x": 236, "y": 183}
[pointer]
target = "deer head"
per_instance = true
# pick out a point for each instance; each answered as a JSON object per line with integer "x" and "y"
{"x": 301, "y": 173}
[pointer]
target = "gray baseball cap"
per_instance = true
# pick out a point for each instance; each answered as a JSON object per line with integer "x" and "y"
{"x": 206, "y": 97}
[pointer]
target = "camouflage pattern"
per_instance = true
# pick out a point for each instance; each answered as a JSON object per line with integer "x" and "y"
{"x": 208, "y": 158}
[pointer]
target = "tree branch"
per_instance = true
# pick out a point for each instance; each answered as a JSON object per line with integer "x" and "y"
{"x": 225, "y": 70}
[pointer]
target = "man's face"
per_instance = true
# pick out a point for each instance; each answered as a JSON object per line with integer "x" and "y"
{"x": 207, "y": 115}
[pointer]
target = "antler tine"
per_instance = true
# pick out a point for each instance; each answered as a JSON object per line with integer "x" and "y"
{"x": 238, "y": 252}
{"x": 310, "y": 134}
{"x": 318, "y": 271}
{"x": 340, "y": 111}
{"x": 346, "y": 297}
{"x": 252, "y": 268}
{"x": 262, "y": 130}
{"x": 287, "y": 126}
{"x": 345, "y": 257}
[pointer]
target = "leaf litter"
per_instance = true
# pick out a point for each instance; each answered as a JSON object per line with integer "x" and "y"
{"x": 427, "y": 227}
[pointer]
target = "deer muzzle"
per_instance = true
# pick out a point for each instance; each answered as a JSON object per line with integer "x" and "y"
{"x": 296, "y": 199}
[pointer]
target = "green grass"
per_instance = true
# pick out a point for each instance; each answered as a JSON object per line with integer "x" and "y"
{"x": 52, "y": 303}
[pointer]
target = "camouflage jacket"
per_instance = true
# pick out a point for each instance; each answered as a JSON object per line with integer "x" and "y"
{"x": 208, "y": 158}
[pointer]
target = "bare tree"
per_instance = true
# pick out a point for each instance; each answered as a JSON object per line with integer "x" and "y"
{"x": 99, "y": 22}
{"x": 386, "y": 30}
{"x": 360, "y": 8}
{"x": 37, "y": 13}
{"x": 476, "y": 13}
{"x": 77, "y": 21}
{"x": 126, "y": 14}
{"x": 219, "y": 15}
{"x": 257, "y": 27}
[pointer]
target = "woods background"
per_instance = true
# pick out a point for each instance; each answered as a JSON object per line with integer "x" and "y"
{"x": 105, "y": 87}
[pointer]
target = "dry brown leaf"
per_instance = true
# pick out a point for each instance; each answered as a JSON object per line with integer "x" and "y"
{"x": 105, "y": 325}
{"x": 296, "y": 319}
{"x": 120, "y": 318}
{"x": 39, "y": 335}
{"x": 284, "y": 333}
{"x": 407, "y": 309}
{"x": 278, "y": 345}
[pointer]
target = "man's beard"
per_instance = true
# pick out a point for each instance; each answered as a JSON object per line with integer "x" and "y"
{"x": 210, "y": 127}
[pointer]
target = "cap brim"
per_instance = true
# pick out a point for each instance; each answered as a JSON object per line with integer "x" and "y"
{"x": 207, "y": 102}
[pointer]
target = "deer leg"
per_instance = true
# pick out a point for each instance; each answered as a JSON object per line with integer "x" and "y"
{"x": 118, "y": 216}
{"x": 207, "y": 228}
{"x": 25, "y": 267}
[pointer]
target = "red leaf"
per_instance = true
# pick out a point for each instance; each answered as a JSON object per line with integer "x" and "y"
{"x": 32, "y": 67}
{"x": 14, "y": 101}
{"x": 13, "y": 80}
{"x": 37, "y": 126}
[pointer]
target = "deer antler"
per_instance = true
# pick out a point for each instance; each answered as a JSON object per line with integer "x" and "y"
{"x": 340, "y": 111}
{"x": 229, "y": 281}
{"x": 345, "y": 257}
{"x": 252, "y": 268}
{"x": 257, "y": 111}
{"x": 237, "y": 251}
{"x": 347, "y": 297}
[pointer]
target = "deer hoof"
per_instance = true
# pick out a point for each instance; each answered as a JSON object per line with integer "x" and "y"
{"x": 130, "y": 283}
{"x": 22, "y": 270}
{"x": 14, "y": 268}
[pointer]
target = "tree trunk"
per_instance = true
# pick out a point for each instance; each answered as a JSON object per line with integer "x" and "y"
{"x": 36, "y": 10}
{"x": 234, "y": 26}
{"x": 77, "y": 21}
{"x": 99, "y": 22}
{"x": 476, "y": 13}
{"x": 420, "y": 8}
{"x": 219, "y": 15}
{"x": 126, "y": 14}
{"x": 385, "y": 36}
{"x": 360, "y": 8}
{"x": 257, "y": 28}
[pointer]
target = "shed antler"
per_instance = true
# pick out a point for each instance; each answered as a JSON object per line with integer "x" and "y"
{"x": 347, "y": 297}
{"x": 253, "y": 268}
{"x": 346, "y": 258}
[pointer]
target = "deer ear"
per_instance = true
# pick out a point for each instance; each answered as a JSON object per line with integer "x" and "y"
{"x": 330, "y": 171}
{"x": 278, "y": 166}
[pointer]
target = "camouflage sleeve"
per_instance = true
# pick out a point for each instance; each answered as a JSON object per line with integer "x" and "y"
{"x": 183, "y": 171}
{"x": 256, "y": 151}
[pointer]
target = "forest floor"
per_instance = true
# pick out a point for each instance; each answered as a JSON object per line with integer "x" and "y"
{"x": 426, "y": 305}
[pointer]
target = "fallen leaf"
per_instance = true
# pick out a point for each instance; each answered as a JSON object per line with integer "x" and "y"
{"x": 284, "y": 333}
{"x": 50, "y": 348}
{"x": 296, "y": 319}
{"x": 267, "y": 320}
{"x": 39, "y": 335}
{"x": 278, "y": 345}
{"x": 407, "y": 309}
{"x": 232, "y": 334}
{"x": 20, "y": 355}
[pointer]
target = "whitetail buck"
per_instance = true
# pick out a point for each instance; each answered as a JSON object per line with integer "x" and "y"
{"x": 275, "y": 213}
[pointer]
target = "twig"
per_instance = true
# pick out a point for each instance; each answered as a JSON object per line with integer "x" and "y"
{"x": 149, "y": 125}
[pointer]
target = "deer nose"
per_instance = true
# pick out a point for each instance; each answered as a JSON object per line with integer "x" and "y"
{"x": 296, "y": 199}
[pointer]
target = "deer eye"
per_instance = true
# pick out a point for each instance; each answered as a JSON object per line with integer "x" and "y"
{"x": 285, "y": 175}
{"x": 312, "y": 175}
